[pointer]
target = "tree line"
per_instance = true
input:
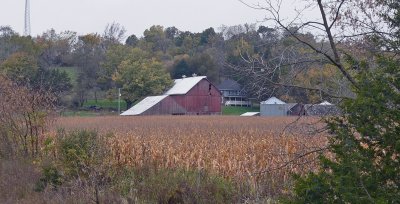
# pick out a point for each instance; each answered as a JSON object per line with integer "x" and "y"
{"x": 146, "y": 65}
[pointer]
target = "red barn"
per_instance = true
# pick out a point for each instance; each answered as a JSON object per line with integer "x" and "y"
{"x": 188, "y": 96}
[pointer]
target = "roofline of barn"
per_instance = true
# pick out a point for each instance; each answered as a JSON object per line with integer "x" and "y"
{"x": 205, "y": 77}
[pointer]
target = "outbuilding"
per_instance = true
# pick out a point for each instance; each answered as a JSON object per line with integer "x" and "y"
{"x": 189, "y": 96}
{"x": 323, "y": 109}
{"x": 275, "y": 107}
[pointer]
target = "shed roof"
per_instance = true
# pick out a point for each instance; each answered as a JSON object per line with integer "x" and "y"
{"x": 144, "y": 105}
{"x": 291, "y": 105}
{"x": 273, "y": 100}
{"x": 326, "y": 103}
{"x": 183, "y": 86}
{"x": 318, "y": 109}
{"x": 229, "y": 84}
{"x": 251, "y": 114}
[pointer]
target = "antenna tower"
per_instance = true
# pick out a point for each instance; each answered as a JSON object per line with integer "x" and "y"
{"x": 27, "y": 30}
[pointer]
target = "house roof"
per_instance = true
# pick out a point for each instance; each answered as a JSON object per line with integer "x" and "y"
{"x": 229, "y": 84}
{"x": 183, "y": 86}
{"x": 144, "y": 105}
{"x": 273, "y": 100}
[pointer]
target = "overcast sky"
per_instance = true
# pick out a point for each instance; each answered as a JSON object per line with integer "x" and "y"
{"x": 91, "y": 16}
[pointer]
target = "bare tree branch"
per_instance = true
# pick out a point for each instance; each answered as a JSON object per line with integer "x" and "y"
{"x": 336, "y": 15}
{"x": 337, "y": 60}
{"x": 274, "y": 11}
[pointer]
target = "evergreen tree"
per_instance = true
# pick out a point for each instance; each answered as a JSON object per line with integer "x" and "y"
{"x": 180, "y": 69}
{"x": 365, "y": 145}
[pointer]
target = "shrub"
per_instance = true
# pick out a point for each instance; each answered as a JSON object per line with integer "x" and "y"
{"x": 83, "y": 160}
{"x": 50, "y": 176}
{"x": 174, "y": 186}
{"x": 17, "y": 181}
{"x": 24, "y": 118}
{"x": 82, "y": 164}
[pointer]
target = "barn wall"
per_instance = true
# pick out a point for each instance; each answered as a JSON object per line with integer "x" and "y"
{"x": 204, "y": 88}
{"x": 204, "y": 98}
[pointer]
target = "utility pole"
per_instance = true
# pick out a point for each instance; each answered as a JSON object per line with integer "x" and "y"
{"x": 27, "y": 30}
{"x": 119, "y": 101}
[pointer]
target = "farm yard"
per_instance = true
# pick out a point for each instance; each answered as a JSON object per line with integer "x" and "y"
{"x": 259, "y": 155}
{"x": 300, "y": 108}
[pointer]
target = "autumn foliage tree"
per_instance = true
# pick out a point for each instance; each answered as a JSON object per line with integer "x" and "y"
{"x": 140, "y": 77}
{"x": 24, "y": 116}
{"x": 20, "y": 67}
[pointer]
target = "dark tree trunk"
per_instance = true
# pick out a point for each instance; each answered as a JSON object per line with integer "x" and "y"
{"x": 95, "y": 96}
{"x": 128, "y": 104}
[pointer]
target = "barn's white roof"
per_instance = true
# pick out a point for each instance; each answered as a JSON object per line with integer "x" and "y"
{"x": 251, "y": 114}
{"x": 273, "y": 100}
{"x": 144, "y": 105}
{"x": 183, "y": 86}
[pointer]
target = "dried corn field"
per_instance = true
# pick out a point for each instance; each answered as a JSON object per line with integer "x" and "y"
{"x": 260, "y": 153}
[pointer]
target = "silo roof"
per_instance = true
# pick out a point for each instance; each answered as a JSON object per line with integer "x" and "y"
{"x": 273, "y": 100}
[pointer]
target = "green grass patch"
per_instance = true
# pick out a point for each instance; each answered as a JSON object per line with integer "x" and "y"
{"x": 106, "y": 104}
{"x": 107, "y": 107}
{"x": 71, "y": 72}
{"x": 237, "y": 110}
{"x": 86, "y": 113}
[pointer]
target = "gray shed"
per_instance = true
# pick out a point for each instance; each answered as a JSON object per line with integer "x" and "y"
{"x": 275, "y": 107}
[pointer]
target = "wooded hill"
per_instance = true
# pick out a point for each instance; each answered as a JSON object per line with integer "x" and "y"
{"x": 94, "y": 66}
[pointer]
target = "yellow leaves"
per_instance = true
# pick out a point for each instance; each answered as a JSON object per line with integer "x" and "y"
{"x": 19, "y": 66}
{"x": 243, "y": 48}
{"x": 141, "y": 77}
{"x": 326, "y": 78}
{"x": 90, "y": 39}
